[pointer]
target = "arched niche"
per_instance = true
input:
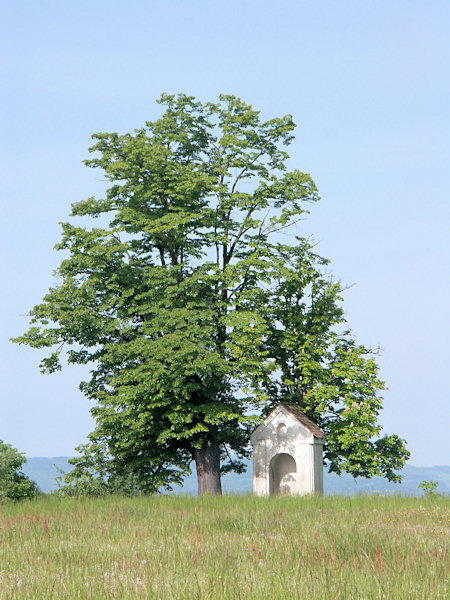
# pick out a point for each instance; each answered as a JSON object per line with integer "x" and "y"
{"x": 281, "y": 432}
{"x": 282, "y": 474}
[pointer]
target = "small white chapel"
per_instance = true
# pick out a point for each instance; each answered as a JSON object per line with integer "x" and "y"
{"x": 287, "y": 454}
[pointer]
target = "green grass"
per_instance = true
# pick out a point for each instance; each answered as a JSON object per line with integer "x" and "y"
{"x": 234, "y": 547}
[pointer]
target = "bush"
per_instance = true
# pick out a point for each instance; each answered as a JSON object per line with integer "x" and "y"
{"x": 14, "y": 485}
{"x": 429, "y": 488}
{"x": 84, "y": 481}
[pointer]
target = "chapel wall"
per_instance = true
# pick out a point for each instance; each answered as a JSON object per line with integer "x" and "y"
{"x": 282, "y": 433}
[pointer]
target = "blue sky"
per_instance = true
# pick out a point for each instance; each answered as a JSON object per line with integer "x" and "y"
{"x": 368, "y": 84}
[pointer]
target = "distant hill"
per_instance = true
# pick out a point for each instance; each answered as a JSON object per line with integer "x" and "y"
{"x": 44, "y": 470}
{"x": 345, "y": 484}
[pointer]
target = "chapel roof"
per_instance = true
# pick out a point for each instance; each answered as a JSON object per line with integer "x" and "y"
{"x": 301, "y": 418}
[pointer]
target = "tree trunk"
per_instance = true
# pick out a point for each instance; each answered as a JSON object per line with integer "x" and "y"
{"x": 207, "y": 461}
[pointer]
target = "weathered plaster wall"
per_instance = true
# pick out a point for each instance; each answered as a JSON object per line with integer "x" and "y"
{"x": 283, "y": 434}
{"x": 318, "y": 468}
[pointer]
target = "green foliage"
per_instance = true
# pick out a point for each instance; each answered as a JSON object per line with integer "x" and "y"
{"x": 175, "y": 302}
{"x": 429, "y": 488}
{"x": 323, "y": 371}
{"x": 94, "y": 475}
{"x": 14, "y": 485}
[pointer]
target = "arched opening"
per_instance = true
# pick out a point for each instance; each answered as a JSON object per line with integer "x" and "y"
{"x": 282, "y": 474}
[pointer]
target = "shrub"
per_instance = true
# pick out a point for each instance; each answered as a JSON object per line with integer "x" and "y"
{"x": 429, "y": 488}
{"x": 91, "y": 482}
{"x": 14, "y": 485}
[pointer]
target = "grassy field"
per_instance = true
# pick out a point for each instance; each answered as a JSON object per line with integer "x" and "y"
{"x": 233, "y": 547}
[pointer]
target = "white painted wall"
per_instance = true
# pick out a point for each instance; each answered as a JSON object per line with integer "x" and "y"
{"x": 282, "y": 433}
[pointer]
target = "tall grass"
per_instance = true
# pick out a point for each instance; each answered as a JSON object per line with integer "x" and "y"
{"x": 234, "y": 547}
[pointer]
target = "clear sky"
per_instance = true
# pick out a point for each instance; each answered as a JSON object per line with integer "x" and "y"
{"x": 368, "y": 84}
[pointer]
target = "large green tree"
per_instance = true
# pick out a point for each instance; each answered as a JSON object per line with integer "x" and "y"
{"x": 323, "y": 370}
{"x": 174, "y": 299}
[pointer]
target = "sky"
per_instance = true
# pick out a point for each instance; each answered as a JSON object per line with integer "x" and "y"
{"x": 368, "y": 84}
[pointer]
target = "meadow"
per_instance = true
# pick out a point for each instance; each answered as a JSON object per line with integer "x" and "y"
{"x": 230, "y": 547}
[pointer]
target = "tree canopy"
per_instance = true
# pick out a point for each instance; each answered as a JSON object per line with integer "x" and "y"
{"x": 193, "y": 314}
{"x": 14, "y": 484}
